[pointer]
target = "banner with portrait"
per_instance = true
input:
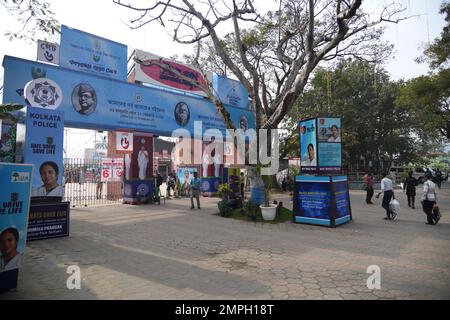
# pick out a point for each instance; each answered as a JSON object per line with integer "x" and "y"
{"x": 308, "y": 146}
{"x": 93, "y": 102}
{"x": 184, "y": 177}
{"x": 329, "y": 145}
{"x": 14, "y": 209}
{"x": 44, "y": 138}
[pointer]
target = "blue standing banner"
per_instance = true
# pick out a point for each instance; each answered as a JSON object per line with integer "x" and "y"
{"x": 308, "y": 146}
{"x": 322, "y": 201}
{"x": 329, "y": 145}
{"x": 14, "y": 207}
{"x": 44, "y": 140}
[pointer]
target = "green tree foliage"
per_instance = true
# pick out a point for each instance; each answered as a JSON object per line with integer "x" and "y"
{"x": 428, "y": 100}
{"x": 428, "y": 97}
{"x": 362, "y": 94}
{"x": 7, "y": 109}
{"x": 34, "y": 15}
{"x": 438, "y": 52}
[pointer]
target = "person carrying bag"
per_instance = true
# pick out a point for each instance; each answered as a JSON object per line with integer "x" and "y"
{"x": 429, "y": 201}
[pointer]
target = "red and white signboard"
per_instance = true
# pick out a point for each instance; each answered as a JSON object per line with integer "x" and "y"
{"x": 124, "y": 141}
{"x": 112, "y": 169}
{"x": 155, "y": 75}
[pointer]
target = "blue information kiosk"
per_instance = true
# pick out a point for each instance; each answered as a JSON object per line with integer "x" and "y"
{"x": 321, "y": 195}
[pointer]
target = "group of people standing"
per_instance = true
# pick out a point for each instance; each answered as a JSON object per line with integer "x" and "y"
{"x": 428, "y": 198}
{"x": 172, "y": 184}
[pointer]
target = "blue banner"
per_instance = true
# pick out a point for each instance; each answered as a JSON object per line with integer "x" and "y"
{"x": 210, "y": 186}
{"x": 135, "y": 191}
{"x": 308, "y": 146}
{"x": 230, "y": 92}
{"x": 341, "y": 197}
{"x": 329, "y": 145}
{"x": 85, "y": 52}
{"x": 44, "y": 139}
{"x": 313, "y": 197}
{"x": 14, "y": 207}
{"x": 93, "y": 102}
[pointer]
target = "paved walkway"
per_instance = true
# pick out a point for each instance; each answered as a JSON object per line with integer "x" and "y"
{"x": 170, "y": 252}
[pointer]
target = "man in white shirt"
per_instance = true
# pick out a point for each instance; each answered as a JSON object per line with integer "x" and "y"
{"x": 388, "y": 194}
{"x": 428, "y": 199}
{"x": 311, "y": 160}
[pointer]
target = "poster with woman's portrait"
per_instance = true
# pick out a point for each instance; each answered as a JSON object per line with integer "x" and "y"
{"x": 44, "y": 149}
{"x": 14, "y": 209}
{"x": 329, "y": 129}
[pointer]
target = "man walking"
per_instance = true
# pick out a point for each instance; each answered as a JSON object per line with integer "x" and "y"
{"x": 428, "y": 200}
{"x": 368, "y": 179}
{"x": 388, "y": 194}
{"x": 195, "y": 190}
{"x": 410, "y": 187}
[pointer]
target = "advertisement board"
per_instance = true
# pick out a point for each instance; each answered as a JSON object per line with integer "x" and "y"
{"x": 313, "y": 195}
{"x": 342, "y": 209}
{"x": 155, "y": 75}
{"x": 185, "y": 175}
{"x": 93, "y": 102}
{"x": 231, "y": 92}
{"x": 44, "y": 149}
{"x": 48, "y": 220}
{"x": 112, "y": 169}
{"x": 14, "y": 208}
{"x": 329, "y": 145}
{"x": 308, "y": 146}
{"x": 322, "y": 200}
{"x": 85, "y": 52}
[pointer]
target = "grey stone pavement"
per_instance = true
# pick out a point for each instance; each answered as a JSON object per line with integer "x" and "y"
{"x": 171, "y": 252}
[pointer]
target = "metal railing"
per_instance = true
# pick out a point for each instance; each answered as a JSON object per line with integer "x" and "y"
{"x": 83, "y": 186}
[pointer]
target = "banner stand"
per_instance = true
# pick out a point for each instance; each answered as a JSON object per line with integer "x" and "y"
{"x": 323, "y": 201}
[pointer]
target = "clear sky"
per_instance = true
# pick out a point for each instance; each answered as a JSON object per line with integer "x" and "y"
{"x": 105, "y": 19}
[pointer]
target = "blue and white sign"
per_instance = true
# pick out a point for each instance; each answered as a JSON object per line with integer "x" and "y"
{"x": 85, "y": 52}
{"x": 329, "y": 145}
{"x": 14, "y": 207}
{"x": 44, "y": 140}
{"x": 96, "y": 102}
{"x": 308, "y": 146}
{"x": 230, "y": 92}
